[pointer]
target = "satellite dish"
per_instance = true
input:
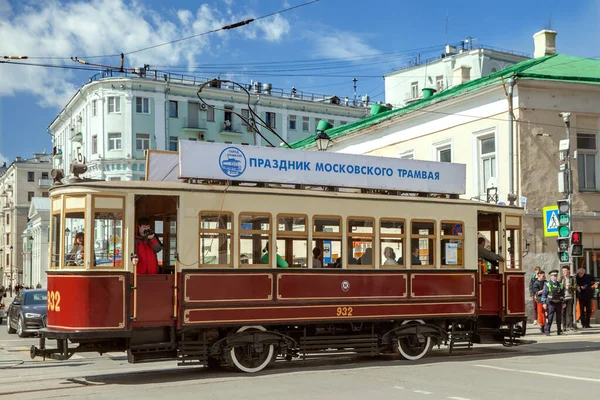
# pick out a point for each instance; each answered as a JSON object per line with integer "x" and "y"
{"x": 492, "y": 182}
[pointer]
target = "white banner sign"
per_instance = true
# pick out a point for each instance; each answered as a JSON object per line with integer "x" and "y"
{"x": 273, "y": 165}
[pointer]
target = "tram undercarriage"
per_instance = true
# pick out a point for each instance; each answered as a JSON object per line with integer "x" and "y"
{"x": 252, "y": 348}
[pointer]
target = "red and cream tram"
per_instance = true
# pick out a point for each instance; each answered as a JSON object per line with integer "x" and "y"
{"x": 397, "y": 270}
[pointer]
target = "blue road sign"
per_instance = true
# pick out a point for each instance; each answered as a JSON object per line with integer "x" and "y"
{"x": 550, "y": 217}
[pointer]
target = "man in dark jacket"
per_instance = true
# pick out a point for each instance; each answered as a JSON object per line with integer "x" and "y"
{"x": 532, "y": 293}
{"x": 147, "y": 246}
{"x": 538, "y": 289}
{"x": 585, "y": 293}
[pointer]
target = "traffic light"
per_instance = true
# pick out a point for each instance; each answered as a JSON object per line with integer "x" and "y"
{"x": 576, "y": 248}
{"x": 563, "y": 218}
{"x": 563, "y": 241}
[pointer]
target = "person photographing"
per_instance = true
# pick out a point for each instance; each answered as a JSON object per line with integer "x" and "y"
{"x": 147, "y": 246}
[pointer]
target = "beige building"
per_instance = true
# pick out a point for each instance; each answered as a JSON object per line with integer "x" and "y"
{"x": 471, "y": 124}
{"x": 22, "y": 180}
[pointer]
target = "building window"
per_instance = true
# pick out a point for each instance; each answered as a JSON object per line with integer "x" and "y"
{"x": 343, "y": 123}
{"x": 115, "y": 178}
{"x": 270, "y": 119}
{"x": 142, "y": 141}
{"x": 228, "y": 118}
{"x": 292, "y": 122}
{"x": 246, "y": 115}
{"x": 114, "y": 141}
{"x": 332, "y": 122}
{"x": 210, "y": 114}
{"x": 173, "y": 143}
{"x": 7, "y": 219}
{"x": 95, "y": 144}
{"x": 443, "y": 152}
{"x": 30, "y": 195}
{"x": 414, "y": 90}
{"x": 30, "y": 176}
{"x": 45, "y": 194}
{"x": 487, "y": 163}
{"x": 94, "y": 108}
{"x": 305, "y": 124}
{"x": 142, "y": 105}
{"x": 407, "y": 155}
{"x": 586, "y": 160}
{"x": 114, "y": 105}
{"x": 439, "y": 83}
{"x": 173, "y": 109}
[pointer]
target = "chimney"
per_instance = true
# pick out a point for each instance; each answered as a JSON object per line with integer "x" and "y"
{"x": 461, "y": 74}
{"x": 544, "y": 43}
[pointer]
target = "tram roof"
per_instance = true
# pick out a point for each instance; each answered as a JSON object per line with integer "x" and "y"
{"x": 152, "y": 188}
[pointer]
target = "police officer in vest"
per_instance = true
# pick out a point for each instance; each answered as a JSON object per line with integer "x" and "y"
{"x": 553, "y": 298}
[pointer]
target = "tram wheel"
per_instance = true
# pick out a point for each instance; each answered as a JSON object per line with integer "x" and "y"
{"x": 414, "y": 347}
{"x": 245, "y": 357}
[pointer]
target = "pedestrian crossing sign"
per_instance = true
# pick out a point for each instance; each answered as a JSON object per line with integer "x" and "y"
{"x": 550, "y": 217}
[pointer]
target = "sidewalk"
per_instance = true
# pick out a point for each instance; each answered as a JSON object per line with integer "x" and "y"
{"x": 534, "y": 330}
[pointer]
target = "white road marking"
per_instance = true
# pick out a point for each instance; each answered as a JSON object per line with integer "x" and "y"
{"x": 398, "y": 387}
{"x": 422, "y": 391}
{"x": 458, "y": 398}
{"x": 576, "y": 378}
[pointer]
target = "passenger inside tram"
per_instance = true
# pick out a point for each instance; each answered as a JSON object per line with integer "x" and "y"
{"x": 390, "y": 256}
{"x": 76, "y": 255}
{"x": 316, "y": 262}
{"x": 367, "y": 257}
{"x": 281, "y": 263}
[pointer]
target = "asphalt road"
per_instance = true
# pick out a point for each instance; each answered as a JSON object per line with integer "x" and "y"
{"x": 486, "y": 372}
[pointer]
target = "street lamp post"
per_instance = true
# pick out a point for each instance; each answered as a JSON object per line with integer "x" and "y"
{"x": 11, "y": 272}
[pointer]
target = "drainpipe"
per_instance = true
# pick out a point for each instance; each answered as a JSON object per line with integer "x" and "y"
{"x": 511, "y": 193}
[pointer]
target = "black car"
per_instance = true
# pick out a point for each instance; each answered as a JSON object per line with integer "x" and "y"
{"x": 27, "y": 313}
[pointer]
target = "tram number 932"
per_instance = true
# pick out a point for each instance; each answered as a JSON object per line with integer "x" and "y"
{"x": 344, "y": 311}
{"x": 54, "y": 301}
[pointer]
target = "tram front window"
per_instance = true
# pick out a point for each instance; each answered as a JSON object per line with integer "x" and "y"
{"x": 108, "y": 239}
{"x": 56, "y": 239}
{"x": 74, "y": 239}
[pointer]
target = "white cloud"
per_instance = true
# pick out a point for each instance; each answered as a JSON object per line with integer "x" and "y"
{"x": 100, "y": 27}
{"x": 341, "y": 44}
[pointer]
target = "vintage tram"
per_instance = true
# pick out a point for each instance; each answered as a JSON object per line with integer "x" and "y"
{"x": 239, "y": 284}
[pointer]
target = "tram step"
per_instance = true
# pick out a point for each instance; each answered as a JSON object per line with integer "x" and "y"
{"x": 153, "y": 346}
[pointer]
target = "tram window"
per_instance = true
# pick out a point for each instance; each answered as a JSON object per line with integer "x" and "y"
{"x": 74, "y": 239}
{"x": 255, "y": 235}
{"x": 292, "y": 240}
{"x": 452, "y": 243}
{"x": 391, "y": 243}
{"x": 56, "y": 239}
{"x": 108, "y": 239}
{"x": 360, "y": 240}
{"x": 327, "y": 234}
{"x": 513, "y": 242}
{"x": 216, "y": 230}
{"x": 423, "y": 238}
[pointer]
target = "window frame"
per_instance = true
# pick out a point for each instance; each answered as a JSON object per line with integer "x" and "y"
{"x": 349, "y": 236}
{"x": 296, "y": 235}
{"x": 392, "y": 236}
{"x": 143, "y": 140}
{"x": 478, "y": 184}
{"x": 174, "y": 139}
{"x": 519, "y": 228}
{"x": 434, "y": 241}
{"x": 441, "y": 146}
{"x": 92, "y": 234}
{"x": 307, "y": 121}
{"x": 407, "y": 154}
{"x": 414, "y": 90}
{"x": 30, "y": 176}
{"x": 171, "y": 102}
{"x": 119, "y": 139}
{"x": 587, "y": 152}
{"x": 292, "y": 119}
{"x": 216, "y": 231}
{"x": 450, "y": 237}
{"x": 252, "y": 232}
{"x": 210, "y": 114}
{"x": 145, "y": 105}
{"x": 94, "y": 144}
{"x": 116, "y": 106}
{"x": 30, "y": 196}
{"x": 94, "y": 108}
{"x": 271, "y": 119}
{"x": 339, "y": 236}
{"x": 63, "y": 217}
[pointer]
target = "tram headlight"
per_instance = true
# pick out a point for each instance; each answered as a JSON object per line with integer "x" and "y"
{"x": 32, "y": 315}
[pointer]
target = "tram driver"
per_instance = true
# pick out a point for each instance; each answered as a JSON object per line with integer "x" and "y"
{"x": 147, "y": 246}
{"x": 488, "y": 255}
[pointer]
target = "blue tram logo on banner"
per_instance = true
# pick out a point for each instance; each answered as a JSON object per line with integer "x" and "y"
{"x": 232, "y": 162}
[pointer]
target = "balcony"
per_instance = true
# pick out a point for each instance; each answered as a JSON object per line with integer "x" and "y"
{"x": 231, "y": 129}
{"x": 44, "y": 183}
{"x": 191, "y": 125}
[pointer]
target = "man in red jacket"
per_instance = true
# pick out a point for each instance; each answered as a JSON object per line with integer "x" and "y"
{"x": 147, "y": 246}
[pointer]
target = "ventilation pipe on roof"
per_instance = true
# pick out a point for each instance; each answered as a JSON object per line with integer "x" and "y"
{"x": 379, "y": 108}
{"x": 544, "y": 43}
{"x": 428, "y": 92}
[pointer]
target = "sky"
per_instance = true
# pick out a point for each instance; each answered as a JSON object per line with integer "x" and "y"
{"x": 316, "y": 48}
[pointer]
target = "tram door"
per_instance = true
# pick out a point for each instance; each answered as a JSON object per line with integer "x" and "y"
{"x": 490, "y": 279}
{"x": 155, "y": 294}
